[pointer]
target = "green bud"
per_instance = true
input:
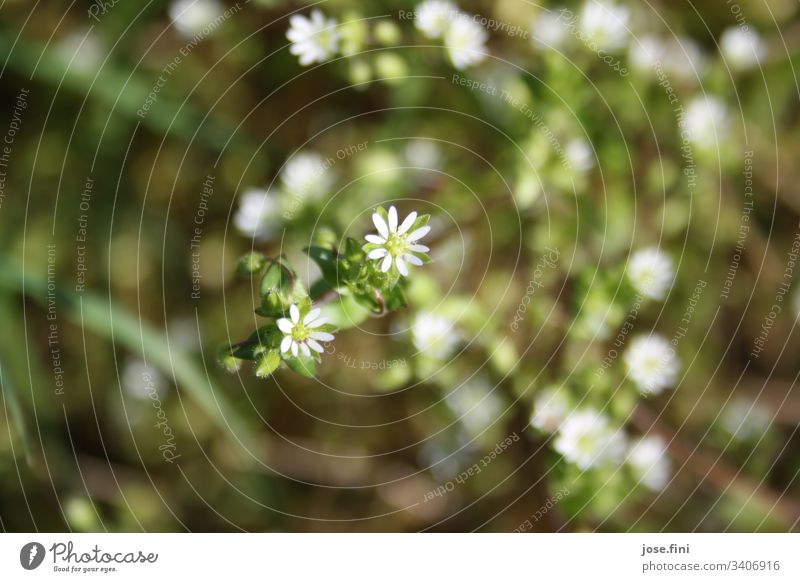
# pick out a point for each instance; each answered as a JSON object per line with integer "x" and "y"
{"x": 360, "y": 72}
{"x": 230, "y": 362}
{"x": 267, "y": 363}
{"x": 353, "y": 32}
{"x": 251, "y": 264}
{"x": 391, "y": 67}
{"x": 387, "y": 33}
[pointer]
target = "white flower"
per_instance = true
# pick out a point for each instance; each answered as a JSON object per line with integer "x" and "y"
{"x": 652, "y": 364}
{"x": 684, "y": 59}
{"x": 313, "y": 39}
{"x": 423, "y": 153}
{"x": 300, "y": 336}
{"x": 604, "y": 25}
{"x": 82, "y": 51}
{"x": 190, "y": 17}
{"x": 745, "y": 419}
{"x": 466, "y": 42}
{"x": 651, "y": 273}
{"x": 305, "y": 176}
{"x": 433, "y": 17}
{"x": 258, "y": 213}
{"x": 142, "y": 381}
{"x": 434, "y": 335}
{"x": 579, "y": 154}
{"x": 475, "y": 404}
{"x": 396, "y": 243}
{"x": 645, "y": 52}
{"x": 549, "y": 29}
{"x": 586, "y": 440}
{"x": 706, "y": 120}
{"x": 648, "y": 458}
{"x": 742, "y": 49}
{"x": 549, "y": 410}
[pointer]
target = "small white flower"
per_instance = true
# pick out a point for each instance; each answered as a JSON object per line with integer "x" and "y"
{"x": 396, "y": 243}
{"x": 604, "y": 25}
{"x": 190, "y": 17}
{"x": 423, "y": 153}
{"x": 434, "y": 335}
{"x": 82, "y": 51}
{"x": 706, "y": 120}
{"x": 745, "y": 420}
{"x": 315, "y": 39}
{"x": 586, "y": 440}
{"x": 648, "y": 458}
{"x": 465, "y": 40}
{"x": 305, "y": 176}
{"x": 258, "y": 214}
{"x": 652, "y": 364}
{"x": 549, "y": 410}
{"x": 301, "y": 336}
{"x": 645, "y": 52}
{"x": 579, "y": 154}
{"x": 549, "y": 30}
{"x": 742, "y": 49}
{"x": 433, "y": 17}
{"x": 684, "y": 59}
{"x": 142, "y": 381}
{"x": 475, "y": 404}
{"x": 651, "y": 273}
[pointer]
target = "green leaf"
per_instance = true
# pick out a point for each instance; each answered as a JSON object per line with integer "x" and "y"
{"x": 302, "y": 365}
{"x": 326, "y": 259}
{"x": 251, "y": 264}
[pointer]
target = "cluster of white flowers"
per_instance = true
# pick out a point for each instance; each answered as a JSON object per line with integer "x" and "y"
{"x": 706, "y": 121}
{"x": 315, "y": 39}
{"x": 651, "y": 273}
{"x": 648, "y": 458}
{"x": 302, "y": 335}
{"x": 397, "y": 243}
{"x": 586, "y": 439}
{"x": 742, "y": 49}
{"x": 190, "y": 17}
{"x": 464, "y": 38}
{"x": 652, "y": 364}
{"x": 434, "y": 336}
{"x": 604, "y": 25}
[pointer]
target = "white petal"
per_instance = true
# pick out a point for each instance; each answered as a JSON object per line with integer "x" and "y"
{"x": 294, "y": 349}
{"x": 387, "y": 263}
{"x": 380, "y": 224}
{"x": 407, "y": 223}
{"x": 418, "y": 248}
{"x": 311, "y": 316}
{"x": 321, "y": 336}
{"x": 315, "y": 346}
{"x": 317, "y": 322}
{"x": 305, "y": 350}
{"x": 393, "y": 219}
{"x": 286, "y": 343}
{"x": 419, "y": 233}
{"x": 375, "y": 239}
{"x": 401, "y": 266}
{"x": 295, "y": 313}
{"x": 285, "y": 325}
{"x": 377, "y": 253}
{"x": 413, "y": 260}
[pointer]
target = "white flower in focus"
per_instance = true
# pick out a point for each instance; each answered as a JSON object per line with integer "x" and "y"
{"x": 302, "y": 336}
{"x": 190, "y": 17}
{"x": 396, "y": 243}
{"x": 742, "y": 49}
{"x": 305, "y": 176}
{"x": 549, "y": 410}
{"x": 434, "y": 335}
{"x": 549, "y": 30}
{"x": 604, "y": 25}
{"x": 651, "y": 273}
{"x": 315, "y": 39}
{"x": 579, "y": 154}
{"x": 433, "y": 17}
{"x": 586, "y": 440}
{"x": 745, "y": 420}
{"x": 466, "y": 42}
{"x": 652, "y": 364}
{"x": 258, "y": 214}
{"x": 706, "y": 120}
{"x": 648, "y": 458}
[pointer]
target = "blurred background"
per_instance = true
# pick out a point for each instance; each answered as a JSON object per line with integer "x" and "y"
{"x": 147, "y": 146}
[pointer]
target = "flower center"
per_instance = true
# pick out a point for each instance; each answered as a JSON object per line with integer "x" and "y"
{"x": 396, "y": 244}
{"x": 300, "y": 333}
